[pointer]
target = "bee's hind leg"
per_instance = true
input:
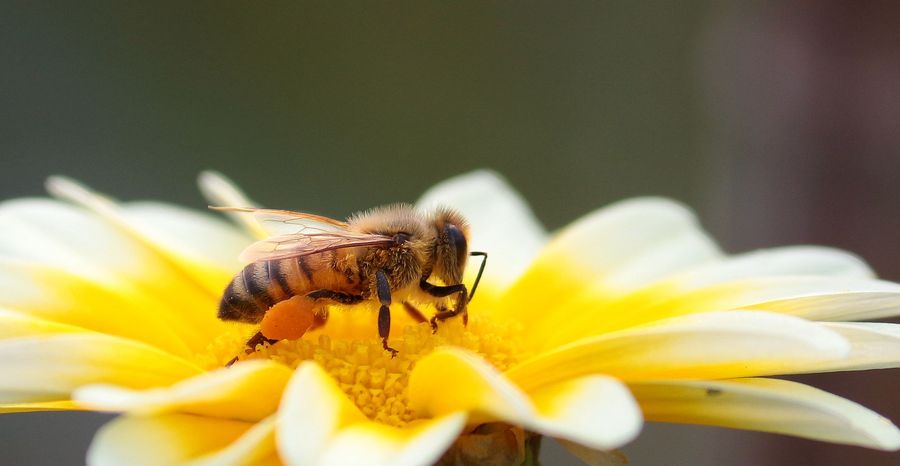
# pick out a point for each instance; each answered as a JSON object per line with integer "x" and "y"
{"x": 250, "y": 346}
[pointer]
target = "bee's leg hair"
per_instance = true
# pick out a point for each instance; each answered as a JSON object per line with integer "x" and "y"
{"x": 256, "y": 339}
{"x": 414, "y": 312}
{"x": 384, "y": 312}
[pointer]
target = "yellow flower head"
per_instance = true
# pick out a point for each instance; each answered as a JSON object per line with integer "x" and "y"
{"x": 629, "y": 314}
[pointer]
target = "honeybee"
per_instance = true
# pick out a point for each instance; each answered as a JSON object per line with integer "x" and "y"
{"x": 376, "y": 254}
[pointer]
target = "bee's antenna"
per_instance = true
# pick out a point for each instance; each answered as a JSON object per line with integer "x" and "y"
{"x": 480, "y": 271}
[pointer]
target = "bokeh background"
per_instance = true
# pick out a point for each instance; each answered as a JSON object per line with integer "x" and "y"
{"x": 779, "y": 123}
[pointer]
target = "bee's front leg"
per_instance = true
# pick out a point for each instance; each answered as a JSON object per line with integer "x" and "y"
{"x": 383, "y": 288}
{"x": 443, "y": 291}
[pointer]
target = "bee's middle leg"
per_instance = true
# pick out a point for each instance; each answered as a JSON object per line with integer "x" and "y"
{"x": 384, "y": 312}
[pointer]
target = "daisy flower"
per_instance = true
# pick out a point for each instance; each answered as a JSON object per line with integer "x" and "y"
{"x": 630, "y": 314}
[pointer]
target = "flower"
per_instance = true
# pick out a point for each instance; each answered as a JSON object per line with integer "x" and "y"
{"x": 630, "y": 313}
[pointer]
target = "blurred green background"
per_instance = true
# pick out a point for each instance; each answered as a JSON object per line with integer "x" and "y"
{"x": 779, "y": 124}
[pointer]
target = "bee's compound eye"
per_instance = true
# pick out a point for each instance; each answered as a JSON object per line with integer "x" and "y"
{"x": 458, "y": 240}
{"x": 401, "y": 238}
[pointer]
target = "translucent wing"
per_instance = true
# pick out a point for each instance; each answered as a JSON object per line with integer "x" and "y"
{"x": 285, "y": 222}
{"x": 296, "y": 245}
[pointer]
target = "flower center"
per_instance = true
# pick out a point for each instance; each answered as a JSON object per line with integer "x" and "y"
{"x": 371, "y": 378}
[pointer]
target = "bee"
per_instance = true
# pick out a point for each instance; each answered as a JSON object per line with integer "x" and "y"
{"x": 388, "y": 251}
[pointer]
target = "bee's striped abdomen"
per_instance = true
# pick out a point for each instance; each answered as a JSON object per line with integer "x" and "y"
{"x": 263, "y": 284}
{"x": 253, "y": 291}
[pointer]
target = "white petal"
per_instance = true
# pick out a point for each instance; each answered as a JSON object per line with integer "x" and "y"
{"x": 155, "y": 239}
{"x": 313, "y": 410}
{"x": 179, "y": 439}
{"x": 869, "y": 301}
{"x": 790, "y": 260}
{"x": 710, "y": 345}
{"x": 222, "y": 192}
{"x": 501, "y": 222}
{"x": 872, "y": 346}
{"x": 197, "y": 236}
{"x": 248, "y": 391}
{"x": 595, "y": 411}
{"x": 810, "y": 297}
{"x": 767, "y": 405}
{"x": 54, "y": 233}
{"x": 375, "y": 444}
{"x": 50, "y": 367}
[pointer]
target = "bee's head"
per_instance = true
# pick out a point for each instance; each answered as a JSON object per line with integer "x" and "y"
{"x": 451, "y": 248}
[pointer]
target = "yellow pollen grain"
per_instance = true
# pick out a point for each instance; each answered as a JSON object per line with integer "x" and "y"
{"x": 370, "y": 377}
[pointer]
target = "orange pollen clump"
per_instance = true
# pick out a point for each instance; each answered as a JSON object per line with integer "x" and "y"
{"x": 289, "y": 319}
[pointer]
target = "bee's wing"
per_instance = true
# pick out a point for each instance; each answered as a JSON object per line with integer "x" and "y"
{"x": 285, "y": 222}
{"x": 296, "y": 245}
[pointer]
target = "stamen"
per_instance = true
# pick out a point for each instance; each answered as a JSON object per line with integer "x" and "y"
{"x": 368, "y": 374}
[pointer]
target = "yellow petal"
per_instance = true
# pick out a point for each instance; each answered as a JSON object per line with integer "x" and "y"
{"x": 50, "y": 367}
{"x": 17, "y": 324}
{"x": 767, "y": 405}
{"x": 711, "y": 345}
{"x": 181, "y": 439}
{"x": 256, "y": 447}
{"x": 221, "y": 191}
{"x": 66, "y": 298}
{"x": 747, "y": 281}
{"x": 61, "y": 405}
{"x": 595, "y": 411}
{"x": 451, "y": 380}
{"x": 501, "y": 222}
{"x": 313, "y": 409}
{"x": 320, "y": 426}
{"x": 375, "y": 444}
{"x": 606, "y": 255}
{"x": 248, "y": 391}
{"x": 69, "y": 238}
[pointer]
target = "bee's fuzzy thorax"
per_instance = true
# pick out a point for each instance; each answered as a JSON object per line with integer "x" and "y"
{"x": 389, "y": 220}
